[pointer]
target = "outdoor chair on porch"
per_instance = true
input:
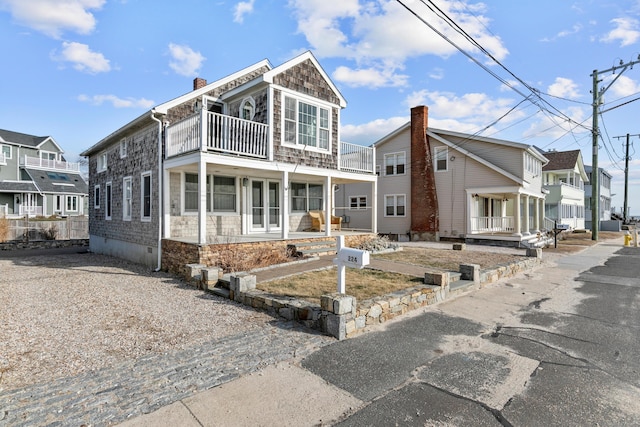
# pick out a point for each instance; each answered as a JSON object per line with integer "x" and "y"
{"x": 318, "y": 222}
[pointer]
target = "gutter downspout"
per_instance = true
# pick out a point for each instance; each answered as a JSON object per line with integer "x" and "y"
{"x": 160, "y": 191}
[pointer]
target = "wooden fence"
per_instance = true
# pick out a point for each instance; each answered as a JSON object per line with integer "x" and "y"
{"x": 30, "y": 229}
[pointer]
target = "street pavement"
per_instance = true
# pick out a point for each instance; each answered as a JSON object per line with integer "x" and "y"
{"x": 555, "y": 346}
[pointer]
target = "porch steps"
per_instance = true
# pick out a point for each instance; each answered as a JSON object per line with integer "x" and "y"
{"x": 221, "y": 289}
{"x": 457, "y": 285}
{"x": 313, "y": 248}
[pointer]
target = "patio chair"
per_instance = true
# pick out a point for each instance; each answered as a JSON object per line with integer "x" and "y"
{"x": 318, "y": 221}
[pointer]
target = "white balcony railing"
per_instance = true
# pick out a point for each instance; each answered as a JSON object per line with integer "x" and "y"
{"x": 218, "y": 132}
{"x": 58, "y": 165}
{"x": 3, "y": 159}
{"x": 492, "y": 224}
{"x": 30, "y": 210}
{"x": 356, "y": 158}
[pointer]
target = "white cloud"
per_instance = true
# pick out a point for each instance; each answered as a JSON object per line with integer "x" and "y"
{"x": 437, "y": 74}
{"x": 83, "y": 58}
{"x": 626, "y": 31}
{"x": 116, "y": 101}
{"x": 369, "y": 77}
{"x": 186, "y": 61}
{"x": 624, "y": 86}
{"x": 554, "y": 127}
{"x": 564, "y": 88}
{"x": 382, "y": 35}
{"x": 53, "y": 17}
{"x": 368, "y": 133}
{"x": 242, "y": 8}
{"x": 576, "y": 28}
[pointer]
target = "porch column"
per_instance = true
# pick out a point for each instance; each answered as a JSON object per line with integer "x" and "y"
{"x": 285, "y": 206}
{"x": 536, "y": 214}
{"x": 542, "y": 212}
{"x": 166, "y": 202}
{"x": 374, "y": 207}
{"x": 527, "y": 226}
{"x": 517, "y": 217}
{"x": 328, "y": 193}
{"x": 202, "y": 202}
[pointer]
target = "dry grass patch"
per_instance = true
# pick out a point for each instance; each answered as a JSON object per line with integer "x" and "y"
{"x": 575, "y": 242}
{"x": 448, "y": 259}
{"x": 363, "y": 284}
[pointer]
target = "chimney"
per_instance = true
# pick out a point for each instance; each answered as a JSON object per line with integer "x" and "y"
{"x": 425, "y": 222}
{"x": 199, "y": 83}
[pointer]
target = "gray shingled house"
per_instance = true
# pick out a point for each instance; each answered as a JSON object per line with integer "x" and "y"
{"x": 36, "y": 179}
{"x": 246, "y": 157}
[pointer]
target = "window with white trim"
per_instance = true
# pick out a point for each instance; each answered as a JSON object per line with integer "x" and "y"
{"x": 145, "y": 196}
{"x": 5, "y": 150}
{"x": 123, "y": 148}
{"x": 394, "y": 204}
{"x": 357, "y": 202}
{"x": 247, "y": 108}
{"x": 96, "y": 197}
{"x": 72, "y": 204}
{"x": 191, "y": 192}
{"x": 102, "y": 162}
{"x": 126, "y": 198}
{"x": 441, "y": 158}
{"x": 48, "y": 155}
{"x": 306, "y": 197}
{"x": 57, "y": 203}
{"x": 224, "y": 193}
{"x": 306, "y": 124}
{"x": 394, "y": 163}
{"x": 107, "y": 201}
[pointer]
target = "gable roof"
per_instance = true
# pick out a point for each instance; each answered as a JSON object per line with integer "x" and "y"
{"x": 24, "y": 139}
{"x": 58, "y": 182}
{"x": 561, "y": 160}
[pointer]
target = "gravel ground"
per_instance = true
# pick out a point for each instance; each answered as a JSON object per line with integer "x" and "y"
{"x": 65, "y": 314}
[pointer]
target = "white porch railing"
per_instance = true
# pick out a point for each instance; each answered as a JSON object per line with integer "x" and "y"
{"x": 356, "y": 158}
{"x": 221, "y": 133}
{"x": 492, "y": 224}
{"x": 30, "y": 210}
{"x": 37, "y": 162}
{"x": 4, "y": 210}
{"x": 3, "y": 159}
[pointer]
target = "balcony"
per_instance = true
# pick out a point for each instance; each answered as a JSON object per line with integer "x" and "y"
{"x": 58, "y": 165}
{"x": 207, "y": 131}
{"x": 3, "y": 159}
{"x": 218, "y": 133}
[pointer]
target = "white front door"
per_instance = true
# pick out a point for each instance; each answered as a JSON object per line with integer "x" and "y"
{"x": 265, "y": 205}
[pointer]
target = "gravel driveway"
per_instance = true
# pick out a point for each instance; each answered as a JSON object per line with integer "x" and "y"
{"x": 62, "y": 314}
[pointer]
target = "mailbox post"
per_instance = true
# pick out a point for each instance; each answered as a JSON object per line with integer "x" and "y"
{"x": 348, "y": 257}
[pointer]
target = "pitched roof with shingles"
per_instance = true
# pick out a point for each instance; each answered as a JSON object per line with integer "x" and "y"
{"x": 22, "y": 138}
{"x": 561, "y": 160}
{"x": 58, "y": 182}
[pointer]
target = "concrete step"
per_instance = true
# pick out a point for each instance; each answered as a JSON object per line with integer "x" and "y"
{"x": 461, "y": 286}
{"x": 454, "y": 276}
{"x": 220, "y": 291}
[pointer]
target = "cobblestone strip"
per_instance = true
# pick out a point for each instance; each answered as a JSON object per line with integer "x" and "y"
{"x": 137, "y": 387}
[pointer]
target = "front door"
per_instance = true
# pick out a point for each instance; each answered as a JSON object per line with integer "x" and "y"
{"x": 265, "y": 205}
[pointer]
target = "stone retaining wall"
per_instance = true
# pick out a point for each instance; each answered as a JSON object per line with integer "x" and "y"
{"x": 44, "y": 244}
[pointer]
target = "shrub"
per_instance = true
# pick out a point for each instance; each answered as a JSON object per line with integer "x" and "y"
{"x": 4, "y": 229}
{"x": 49, "y": 233}
{"x": 376, "y": 244}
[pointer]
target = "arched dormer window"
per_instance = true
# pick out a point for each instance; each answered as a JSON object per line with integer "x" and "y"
{"x": 248, "y": 108}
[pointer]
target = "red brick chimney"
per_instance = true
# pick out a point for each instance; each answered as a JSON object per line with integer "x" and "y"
{"x": 199, "y": 83}
{"x": 425, "y": 221}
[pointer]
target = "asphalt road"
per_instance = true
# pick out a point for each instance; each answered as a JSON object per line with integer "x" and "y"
{"x": 556, "y": 347}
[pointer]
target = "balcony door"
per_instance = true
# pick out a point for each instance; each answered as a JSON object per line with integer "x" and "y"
{"x": 265, "y": 205}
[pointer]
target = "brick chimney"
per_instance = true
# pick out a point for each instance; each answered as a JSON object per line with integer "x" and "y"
{"x": 199, "y": 83}
{"x": 425, "y": 221}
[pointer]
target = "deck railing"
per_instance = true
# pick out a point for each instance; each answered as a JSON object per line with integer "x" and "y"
{"x": 356, "y": 158}
{"x": 220, "y": 133}
{"x": 30, "y": 210}
{"x": 58, "y": 165}
{"x": 492, "y": 224}
{"x": 3, "y": 159}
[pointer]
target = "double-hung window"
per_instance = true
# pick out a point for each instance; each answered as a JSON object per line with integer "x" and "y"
{"x": 123, "y": 148}
{"x": 96, "y": 197}
{"x": 306, "y": 124}
{"x": 72, "y": 204}
{"x": 190, "y": 192}
{"x": 394, "y": 163}
{"x": 306, "y": 197}
{"x": 102, "y": 162}
{"x": 5, "y": 152}
{"x": 126, "y": 199}
{"x": 145, "y": 197}
{"x": 224, "y": 194}
{"x": 394, "y": 205}
{"x": 440, "y": 158}
{"x": 107, "y": 201}
{"x": 357, "y": 202}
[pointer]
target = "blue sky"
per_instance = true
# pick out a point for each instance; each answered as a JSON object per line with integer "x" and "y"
{"x": 79, "y": 69}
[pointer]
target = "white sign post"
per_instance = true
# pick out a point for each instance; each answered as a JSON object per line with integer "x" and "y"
{"x": 348, "y": 257}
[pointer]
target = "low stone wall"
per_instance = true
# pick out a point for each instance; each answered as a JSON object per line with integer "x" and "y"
{"x": 44, "y": 244}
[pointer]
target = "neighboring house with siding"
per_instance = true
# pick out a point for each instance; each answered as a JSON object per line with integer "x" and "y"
{"x": 36, "y": 179}
{"x": 604, "y": 192}
{"x": 565, "y": 177}
{"x": 248, "y": 155}
{"x": 435, "y": 184}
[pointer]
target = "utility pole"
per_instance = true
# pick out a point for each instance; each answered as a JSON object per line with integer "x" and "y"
{"x": 625, "y": 211}
{"x": 595, "y": 134}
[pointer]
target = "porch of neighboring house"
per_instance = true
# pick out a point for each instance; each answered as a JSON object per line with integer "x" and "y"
{"x": 221, "y": 182}
{"x": 509, "y": 217}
